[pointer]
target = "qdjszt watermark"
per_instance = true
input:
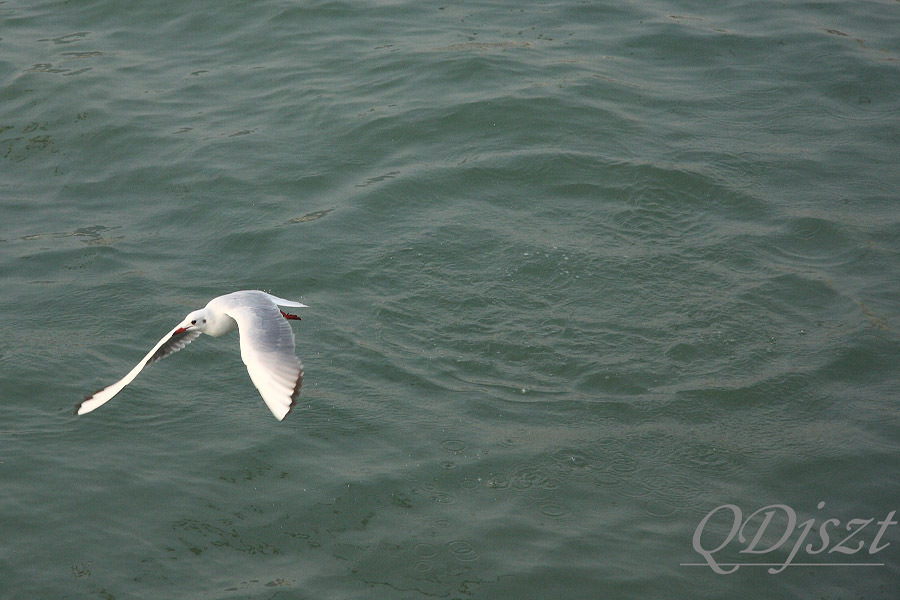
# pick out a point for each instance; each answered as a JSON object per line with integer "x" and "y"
{"x": 775, "y": 527}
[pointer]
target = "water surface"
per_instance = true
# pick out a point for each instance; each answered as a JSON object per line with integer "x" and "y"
{"x": 578, "y": 274}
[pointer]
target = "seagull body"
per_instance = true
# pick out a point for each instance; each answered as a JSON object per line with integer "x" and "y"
{"x": 267, "y": 347}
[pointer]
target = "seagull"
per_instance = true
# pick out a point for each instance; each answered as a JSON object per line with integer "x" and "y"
{"x": 267, "y": 347}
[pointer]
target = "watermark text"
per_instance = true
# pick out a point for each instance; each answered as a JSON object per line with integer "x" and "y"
{"x": 775, "y": 528}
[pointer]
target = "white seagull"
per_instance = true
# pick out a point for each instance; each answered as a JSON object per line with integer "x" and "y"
{"x": 267, "y": 347}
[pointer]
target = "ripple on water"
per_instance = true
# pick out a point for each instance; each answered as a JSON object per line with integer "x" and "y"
{"x": 425, "y": 550}
{"x": 528, "y": 476}
{"x": 813, "y": 241}
{"x": 553, "y": 510}
{"x": 659, "y": 507}
{"x": 710, "y": 458}
{"x": 469, "y": 483}
{"x": 575, "y": 459}
{"x": 463, "y": 551}
{"x": 442, "y": 498}
{"x": 635, "y": 487}
{"x": 614, "y": 465}
{"x": 522, "y": 501}
{"x": 454, "y": 446}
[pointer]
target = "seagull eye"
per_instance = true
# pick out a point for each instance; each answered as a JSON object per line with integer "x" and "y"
{"x": 194, "y": 322}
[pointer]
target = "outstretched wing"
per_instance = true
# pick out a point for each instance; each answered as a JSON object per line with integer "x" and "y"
{"x": 267, "y": 348}
{"x": 173, "y": 341}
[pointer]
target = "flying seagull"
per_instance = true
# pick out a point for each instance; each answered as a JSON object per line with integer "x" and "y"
{"x": 267, "y": 347}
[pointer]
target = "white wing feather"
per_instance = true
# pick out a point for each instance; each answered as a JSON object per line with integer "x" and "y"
{"x": 267, "y": 348}
{"x": 167, "y": 345}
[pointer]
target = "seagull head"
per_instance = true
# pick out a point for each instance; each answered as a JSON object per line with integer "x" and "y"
{"x": 197, "y": 320}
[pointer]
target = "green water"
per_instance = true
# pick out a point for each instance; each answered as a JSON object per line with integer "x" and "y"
{"x": 579, "y": 273}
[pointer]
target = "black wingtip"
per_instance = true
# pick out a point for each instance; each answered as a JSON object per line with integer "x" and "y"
{"x": 85, "y": 399}
{"x": 295, "y": 394}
